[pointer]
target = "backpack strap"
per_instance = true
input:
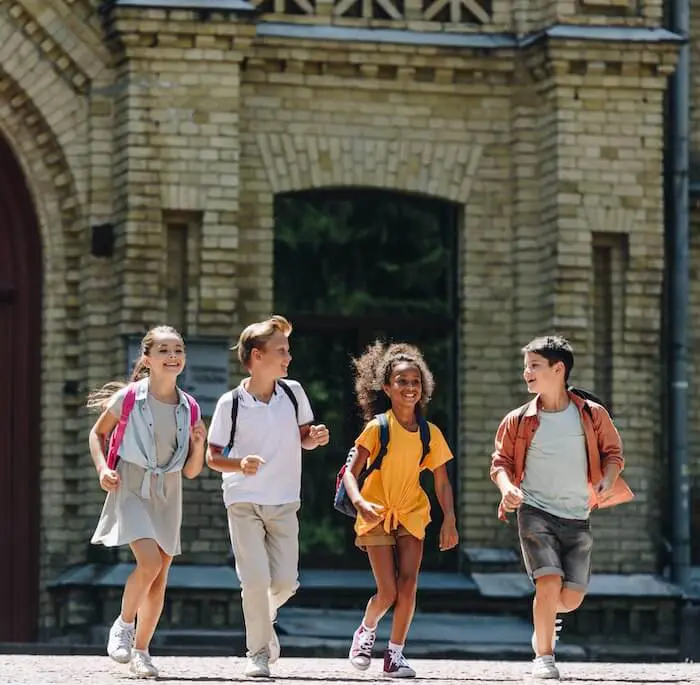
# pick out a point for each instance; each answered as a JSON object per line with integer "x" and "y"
{"x": 234, "y": 416}
{"x": 383, "y": 443}
{"x": 117, "y": 436}
{"x": 424, "y": 430}
{"x": 291, "y": 395}
{"x": 195, "y": 411}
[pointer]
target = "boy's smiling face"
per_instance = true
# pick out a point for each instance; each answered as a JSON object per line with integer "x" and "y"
{"x": 274, "y": 358}
{"x": 542, "y": 376}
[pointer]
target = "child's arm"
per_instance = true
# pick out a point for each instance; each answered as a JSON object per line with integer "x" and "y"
{"x": 195, "y": 457}
{"x": 369, "y": 511}
{"x": 216, "y": 461}
{"x": 503, "y": 465}
{"x": 109, "y": 479}
{"x": 313, "y": 436}
{"x": 610, "y": 448}
{"x": 443, "y": 490}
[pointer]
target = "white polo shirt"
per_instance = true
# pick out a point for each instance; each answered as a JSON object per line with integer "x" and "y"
{"x": 269, "y": 430}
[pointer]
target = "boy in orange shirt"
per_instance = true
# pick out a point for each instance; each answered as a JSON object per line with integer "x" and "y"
{"x": 555, "y": 459}
{"x": 393, "y": 510}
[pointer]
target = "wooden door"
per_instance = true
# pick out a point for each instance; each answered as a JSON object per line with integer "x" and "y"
{"x": 20, "y": 378}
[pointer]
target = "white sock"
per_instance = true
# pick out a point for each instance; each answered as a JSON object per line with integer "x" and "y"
{"x": 395, "y": 648}
{"x": 125, "y": 624}
{"x": 367, "y": 628}
{"x": 140, "y": 651}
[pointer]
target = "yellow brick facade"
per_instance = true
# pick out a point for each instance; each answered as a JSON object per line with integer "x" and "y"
{"x": 125, "y": 115}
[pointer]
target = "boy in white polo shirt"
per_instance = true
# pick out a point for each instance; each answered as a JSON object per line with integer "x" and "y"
{"x": 255, "y": 440}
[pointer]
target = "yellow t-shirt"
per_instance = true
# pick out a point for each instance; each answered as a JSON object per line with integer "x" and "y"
{"x": 396, "y": 485}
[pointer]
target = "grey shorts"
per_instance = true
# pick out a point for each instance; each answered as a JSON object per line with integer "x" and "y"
{"x": 553, "y": 546}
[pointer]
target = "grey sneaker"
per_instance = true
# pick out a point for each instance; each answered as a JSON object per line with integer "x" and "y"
{"x": 555, "y": 636}
{"x": 142, "y": 666}
{"x": 544, "y": 668}
{"x": 257, "y": 665}
{"x": 120, "y": 642}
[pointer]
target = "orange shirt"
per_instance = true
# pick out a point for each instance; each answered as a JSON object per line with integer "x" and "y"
{"x": 603, "y": 447}
{"x": 396, "y": 485}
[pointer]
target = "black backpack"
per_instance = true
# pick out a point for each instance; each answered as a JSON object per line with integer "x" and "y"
{"x": 341, "y": 501}
{"x": 235, "y": 394}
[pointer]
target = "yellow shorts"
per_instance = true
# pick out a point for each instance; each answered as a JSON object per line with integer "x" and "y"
{"x": 378, "y": 537}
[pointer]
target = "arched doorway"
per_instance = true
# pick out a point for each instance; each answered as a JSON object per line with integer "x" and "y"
{"x": 353, "y": 265}
{"x": 20, "y": 390}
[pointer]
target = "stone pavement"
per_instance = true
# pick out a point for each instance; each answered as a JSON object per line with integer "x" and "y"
{"x": 90, "y": 670}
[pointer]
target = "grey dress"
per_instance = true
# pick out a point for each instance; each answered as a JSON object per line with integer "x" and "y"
{"x": 126, "y": 516}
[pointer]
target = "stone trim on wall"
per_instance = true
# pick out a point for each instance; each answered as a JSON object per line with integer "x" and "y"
{"x": 305, "y": 162}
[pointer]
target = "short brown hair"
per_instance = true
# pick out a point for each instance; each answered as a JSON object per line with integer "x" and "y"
{"x": 257, "y": 335}
{"x": 554, "y": 348}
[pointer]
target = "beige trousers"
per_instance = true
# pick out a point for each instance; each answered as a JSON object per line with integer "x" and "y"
{"x": 265, "y": 541}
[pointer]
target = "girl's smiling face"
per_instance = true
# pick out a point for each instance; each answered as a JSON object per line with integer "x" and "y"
{"x": 167, "y": 355}
{"x": 405, "y": 387}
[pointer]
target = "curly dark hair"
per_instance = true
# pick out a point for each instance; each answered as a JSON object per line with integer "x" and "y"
{"x": 373, "y": 370}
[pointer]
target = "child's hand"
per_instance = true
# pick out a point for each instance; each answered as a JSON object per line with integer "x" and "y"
{"x": 199, "y": 434}
{"x": 449, "y": 537}
{"x": 109, "y": 480}
{"x": 369, "y": 511}
{"x": 605, "y": 484}
{"x": 512, "y": 498}
{"x": 319, "y": 434}
{"x": 251, "y": 464}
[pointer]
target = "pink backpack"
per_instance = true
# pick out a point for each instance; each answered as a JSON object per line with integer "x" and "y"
{"x": 117, "y": 436}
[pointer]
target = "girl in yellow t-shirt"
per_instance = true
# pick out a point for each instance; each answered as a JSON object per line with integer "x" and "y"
{"x": 393, "y": 510}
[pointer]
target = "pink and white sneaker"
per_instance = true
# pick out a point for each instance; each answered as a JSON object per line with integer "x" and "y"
{"x": 361, "y": 651}
{"x": 396, "y": 666}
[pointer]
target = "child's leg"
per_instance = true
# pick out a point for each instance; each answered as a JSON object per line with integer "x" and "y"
{"x": 541, "y": 550}
{"x": 149, "y": 564}
{"x": 253, "y": 568}
{"x": 410, "y": 555}
{"x": 544, "y": 611}
{"x": 576, "y": 550}
{"x": 282, "y": 544}
{"x": 381, "y": 559}
{"x": 152, "y": 607}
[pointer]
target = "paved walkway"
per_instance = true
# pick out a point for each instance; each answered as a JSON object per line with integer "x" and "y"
{"x": 90, "y": 670}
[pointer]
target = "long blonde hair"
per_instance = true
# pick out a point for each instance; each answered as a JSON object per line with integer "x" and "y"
{"x": 99, "y": 399}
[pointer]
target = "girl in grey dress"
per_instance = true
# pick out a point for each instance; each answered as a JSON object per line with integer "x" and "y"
{"x": 163, "y": 439}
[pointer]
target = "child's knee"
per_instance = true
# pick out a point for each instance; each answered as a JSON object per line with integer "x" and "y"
{"x": 387, "y": 594}
{"x": 284, "y": 586}
{"x": 548, "y": 588}
{"x": 407, "y": 586}
{"x": 149, "y": 567}
{"x": 571, "y": 599}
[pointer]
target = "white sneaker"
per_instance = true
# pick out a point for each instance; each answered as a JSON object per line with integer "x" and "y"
{"x": 141, "y": 665}
{"x": 273, "y": 648}
{"x": 544, "y": 668}
{"x": 361, "y": 649}
{"x": 257, "y": 665}
{"x": 121, "y": 640}
{"x": 555, "y": 636}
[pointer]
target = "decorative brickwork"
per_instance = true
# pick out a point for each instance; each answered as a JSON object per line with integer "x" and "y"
{"x": 154, "y": 114}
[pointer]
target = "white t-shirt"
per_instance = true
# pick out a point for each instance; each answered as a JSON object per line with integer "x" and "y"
{"x": 556, "y": 467}
{"x": 269, "y": 430}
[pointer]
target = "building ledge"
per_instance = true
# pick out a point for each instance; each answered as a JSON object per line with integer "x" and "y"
{"x": 221, "y": 577}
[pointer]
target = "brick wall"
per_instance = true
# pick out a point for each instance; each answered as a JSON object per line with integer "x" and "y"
{"x": 161, "y": 118}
